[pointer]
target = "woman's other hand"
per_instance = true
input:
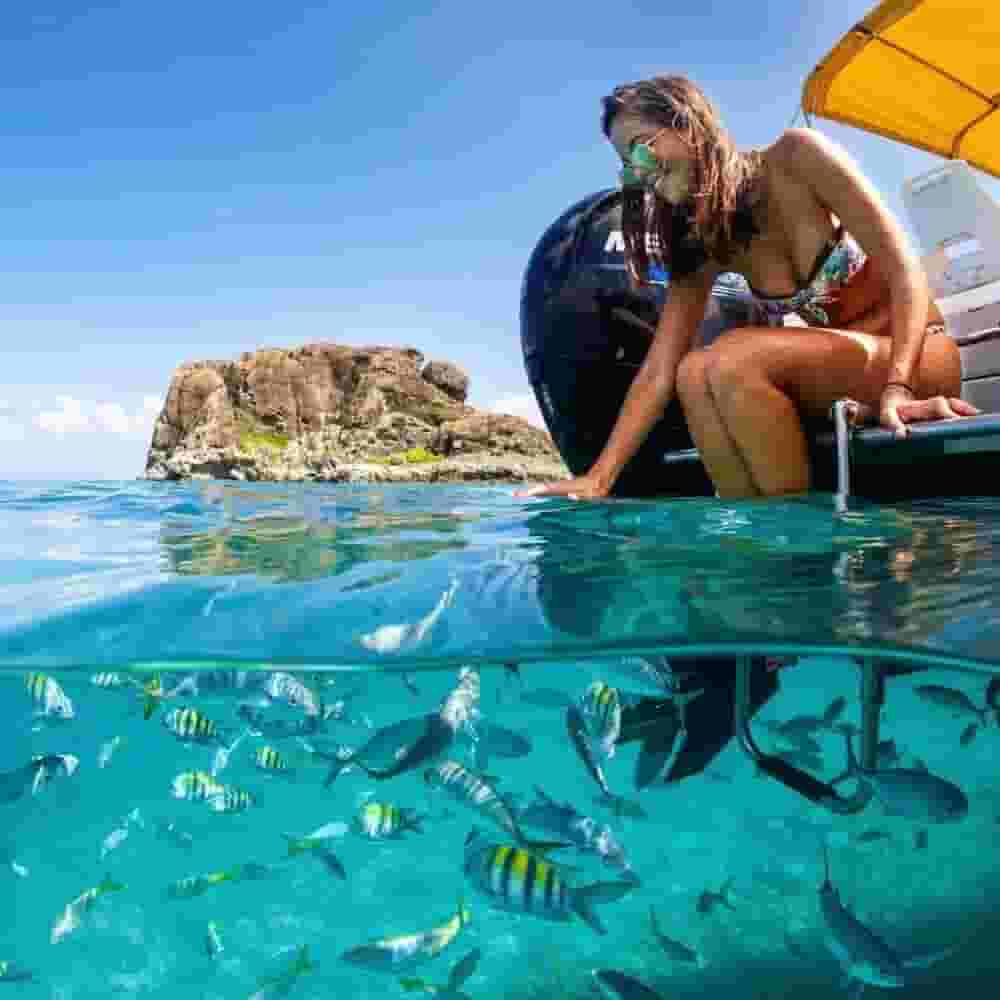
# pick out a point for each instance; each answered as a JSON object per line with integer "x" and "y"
{"x": 579, "y": 488}
{"x": 897, "y": 408}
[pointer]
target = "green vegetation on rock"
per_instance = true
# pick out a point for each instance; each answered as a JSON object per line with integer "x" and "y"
{"x": 412, "y": 456}
{"x": 254, "y": 436}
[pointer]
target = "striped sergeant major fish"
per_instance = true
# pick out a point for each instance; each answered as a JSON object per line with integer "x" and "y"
{"x": 381, "y": 820}
{"x": 198, "y": 885}
{"x": 195, "y": 786}
{"x": 48, "y": 697}
{"x": 266, "y": 758}
{"x": 112, "y": 681}
{"x": 517, "y": 880}
{"x": 477, "y": 791}
{"x": 231, "y": 800}
{"x": 602, "y": 712}
{"x": 281, "y": 686}
{"x": 190, "y": 724}
{"x": 406, "y": 951}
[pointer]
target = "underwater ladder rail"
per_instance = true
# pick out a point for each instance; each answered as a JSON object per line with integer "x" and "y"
{"x": 872, "y": 698}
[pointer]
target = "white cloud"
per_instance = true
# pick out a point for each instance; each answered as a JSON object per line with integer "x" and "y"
{"x": 68, "y": 419}
{"x": 9, "y": 431}
{"x": 76, "y": 416}
{"x": 519, "y": 404}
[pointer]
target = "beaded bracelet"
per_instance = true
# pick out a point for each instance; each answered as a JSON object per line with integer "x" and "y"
{"x": 900, "y": 385}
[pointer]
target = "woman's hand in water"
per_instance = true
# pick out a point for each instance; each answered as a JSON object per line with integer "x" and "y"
{"x": 579, "y": 488}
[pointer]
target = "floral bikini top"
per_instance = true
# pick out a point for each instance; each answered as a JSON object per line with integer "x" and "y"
{"x": 838, "y": 261}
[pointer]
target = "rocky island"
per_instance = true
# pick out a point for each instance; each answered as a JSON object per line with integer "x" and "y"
{"x": 328, "y": 412}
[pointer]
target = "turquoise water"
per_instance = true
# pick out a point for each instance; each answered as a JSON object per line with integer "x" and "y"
{"x": 360, "y": 584}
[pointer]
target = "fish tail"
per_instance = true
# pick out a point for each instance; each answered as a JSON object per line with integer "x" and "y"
{"x": 724, "y": 891}
{"x": 336, "y": 768}
{"x": 302, "y": 962}
{"x": 108, "y": 884}
{"x": 585, "y": 898}
{"x": 296, "y": 845}
{"x": 412, "y": 822}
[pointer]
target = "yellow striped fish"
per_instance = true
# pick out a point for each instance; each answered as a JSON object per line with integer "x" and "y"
{"x": 477, "y": 792}
{"x": 268, "y": 759}
{"x": 190, "y": 724}
{"x": 381, "y": 820}
{"x": 518, "y": 880}
{"x": 48, "y": 697}
{"x": 602, "y": 712}
{"x": 153, "y": 694}
{"x": 231, "y": 800}
{"x": 195, "y": 786}
{"x": 111, "y": 680}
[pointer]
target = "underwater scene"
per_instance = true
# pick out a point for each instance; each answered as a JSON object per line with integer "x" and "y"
{"x": 316, "y": 740}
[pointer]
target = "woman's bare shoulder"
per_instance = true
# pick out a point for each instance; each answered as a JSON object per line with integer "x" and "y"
{"x": 799, "y": 150}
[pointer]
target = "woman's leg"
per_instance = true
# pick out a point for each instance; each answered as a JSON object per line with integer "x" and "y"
{"x": 764, "y": 380}
{"x": 719, "y": 454}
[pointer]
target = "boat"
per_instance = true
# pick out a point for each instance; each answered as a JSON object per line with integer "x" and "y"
{"x": 903, "y": 72}
{"x": 910, "y": 71}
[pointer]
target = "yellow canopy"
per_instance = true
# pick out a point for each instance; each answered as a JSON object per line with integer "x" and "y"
{"x": 923, "y": 72}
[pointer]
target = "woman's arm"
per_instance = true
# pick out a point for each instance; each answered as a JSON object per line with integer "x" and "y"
{"x": 844, "y": 190}
{"x": 653, "y": 385}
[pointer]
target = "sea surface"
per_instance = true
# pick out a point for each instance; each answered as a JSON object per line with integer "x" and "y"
{"x": 330, "y": 624}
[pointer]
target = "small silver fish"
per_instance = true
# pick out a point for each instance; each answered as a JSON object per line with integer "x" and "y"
{"x": 621, "y": 986}
{"x": 674, "y": 950}
{"x": 213, "y": 940}
{"x": 405, "y": 951}
{"x": 107, "y": 751}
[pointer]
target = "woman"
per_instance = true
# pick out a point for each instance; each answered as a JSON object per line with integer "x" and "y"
{"x": 812, "y": 237}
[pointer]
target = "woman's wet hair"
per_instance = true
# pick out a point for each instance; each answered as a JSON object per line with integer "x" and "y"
{"x": 717, "y": 217}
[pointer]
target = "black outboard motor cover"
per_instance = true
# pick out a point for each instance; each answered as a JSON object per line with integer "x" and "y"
{"x": 585, "y": 333}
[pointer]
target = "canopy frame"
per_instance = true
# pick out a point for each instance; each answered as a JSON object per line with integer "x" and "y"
{"x": 872, "y": 29}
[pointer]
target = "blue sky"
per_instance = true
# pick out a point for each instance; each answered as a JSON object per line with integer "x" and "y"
{"x": 192, "y": 180}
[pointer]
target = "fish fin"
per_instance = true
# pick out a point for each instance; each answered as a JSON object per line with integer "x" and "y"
{"x": 412, "y": 985}
{"x": 303, "y": 963}
{"x": 414, "y": 823}
{"x": 463, "y": 970}
{"x": 926, "y": 961}
{"x": 833, "y": 711}
{"x": 586, "y": 897}
{"x": 336, "y": 768}
{"x": 296, "y": 844}
{"x": 542, "y": 847}
{"x": 854, "y": 987}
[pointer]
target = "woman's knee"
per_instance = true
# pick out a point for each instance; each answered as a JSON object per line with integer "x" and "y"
{"x": 690, "y": 380}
